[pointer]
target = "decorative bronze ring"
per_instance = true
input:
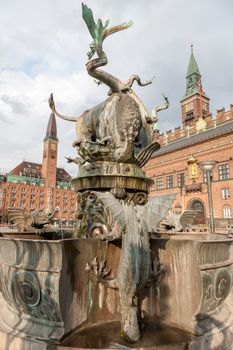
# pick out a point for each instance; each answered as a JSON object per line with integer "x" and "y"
{"x": 25, "y": 289}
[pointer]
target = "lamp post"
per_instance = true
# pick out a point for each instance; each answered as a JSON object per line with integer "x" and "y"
{"x": 207, "y": 167}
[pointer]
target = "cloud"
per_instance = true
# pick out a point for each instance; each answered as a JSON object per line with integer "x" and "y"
{"x": 15, "y": 105}
{"x": 5, "y": 119}
{"x": 43, "y": 49}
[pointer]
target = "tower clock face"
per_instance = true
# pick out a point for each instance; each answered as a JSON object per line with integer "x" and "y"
{"x": 189, "y": 107}
{"x": 53, "y": 147}
{"x": 204, "y": 107}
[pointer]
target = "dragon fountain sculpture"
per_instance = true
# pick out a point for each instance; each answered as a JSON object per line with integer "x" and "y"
{"x": 114, "y": 141}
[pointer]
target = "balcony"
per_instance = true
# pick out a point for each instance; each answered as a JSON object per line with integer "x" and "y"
{"x": 193, "y": 188}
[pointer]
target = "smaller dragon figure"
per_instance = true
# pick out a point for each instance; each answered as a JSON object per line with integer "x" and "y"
{"x": 178, "y": 222}
{"x": 26, "y": 221}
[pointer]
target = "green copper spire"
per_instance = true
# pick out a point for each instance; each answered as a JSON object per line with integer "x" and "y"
{"x": 193, "y": 76}
{"x": 193, "y": 67}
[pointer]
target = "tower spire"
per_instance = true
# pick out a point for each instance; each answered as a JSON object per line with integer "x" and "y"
{"x": 191, "y": 48}
{"x": 193, "y": 66}
{"x": 51, "y": 131}
{"x": 49, "y": 162}
{"x": 195, "y": 103}
{"x": 193, "y": 77}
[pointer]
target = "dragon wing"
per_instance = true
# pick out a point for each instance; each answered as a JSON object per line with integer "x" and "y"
{"x": 89, "y": 20}
{"x": 99, "y": 31}
{"x": 188, "y": 217}
{"x": 116, "y": 29}
{"x": 21, "y": 219}
{"x": 156, "y": 210}
{"x": 113, "y": 205}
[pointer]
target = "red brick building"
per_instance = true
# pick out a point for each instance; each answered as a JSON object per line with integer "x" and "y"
{"x": 175, "y": 167}
{"x": 40, "y": 186}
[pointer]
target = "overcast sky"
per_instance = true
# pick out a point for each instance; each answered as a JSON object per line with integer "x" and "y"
{"x": 43, "y": 45}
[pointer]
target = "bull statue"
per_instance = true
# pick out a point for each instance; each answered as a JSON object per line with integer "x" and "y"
{"x": 120, "y": 129}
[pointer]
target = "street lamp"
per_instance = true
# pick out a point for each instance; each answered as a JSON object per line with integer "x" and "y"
{"x": 207, "y": 167}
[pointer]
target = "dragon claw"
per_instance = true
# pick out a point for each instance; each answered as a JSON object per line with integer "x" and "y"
{"x": 99, "y": 273}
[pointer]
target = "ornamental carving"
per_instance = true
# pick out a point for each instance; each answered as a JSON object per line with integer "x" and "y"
{"x": 216, "y": 287}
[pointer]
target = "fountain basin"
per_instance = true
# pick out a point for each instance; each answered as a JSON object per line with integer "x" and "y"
{"x": 48, "y": 297}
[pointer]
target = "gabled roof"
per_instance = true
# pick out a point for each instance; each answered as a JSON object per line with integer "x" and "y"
{"x": 31, "y": 169}
{"x": 62, "y": 175}
{"x": 27, "y": 169}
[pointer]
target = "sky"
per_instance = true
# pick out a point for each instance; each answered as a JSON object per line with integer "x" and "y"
{"x": 43, "y": 45}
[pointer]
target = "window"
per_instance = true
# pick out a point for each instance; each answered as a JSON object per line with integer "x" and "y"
{"x": 159, "y": 183}
{"x": 224, "y": 172}
{"x": 227, "y": 214}
{"x": 189, "y": 116}
{"x": 180, "y": 180}
{"x": 197, "y": 205}
{"x": 13, "y": 190}
{"x": 12, "y": 199}
{"x": 205, "y": 176}
{"x": 225, "y": 193}
{"x": 169, "y": 181}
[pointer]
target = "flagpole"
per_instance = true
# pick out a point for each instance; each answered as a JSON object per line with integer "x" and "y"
{"x": 200, "y": 93}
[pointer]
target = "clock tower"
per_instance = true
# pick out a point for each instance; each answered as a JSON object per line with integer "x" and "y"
{"x": 49, "y": 161}
{"x": 195, "y": 103}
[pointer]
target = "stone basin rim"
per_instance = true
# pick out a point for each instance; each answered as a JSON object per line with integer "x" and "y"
{"x": 226, "y": 240}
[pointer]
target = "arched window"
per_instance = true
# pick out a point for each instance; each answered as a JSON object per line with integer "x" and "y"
{"x": 197, "y": 205}
{"x": 227, "y": 212}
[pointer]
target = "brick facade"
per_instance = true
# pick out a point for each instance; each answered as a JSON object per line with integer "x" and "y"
{"x": 175, "y": 167}
{"x": 43, "y": 186}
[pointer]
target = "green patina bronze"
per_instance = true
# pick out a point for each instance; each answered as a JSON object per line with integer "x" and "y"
{"x": 99, "y": 31}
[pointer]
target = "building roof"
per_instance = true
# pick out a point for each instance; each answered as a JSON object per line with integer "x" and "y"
{"x": 62, "y": 175}
{"x": 51, "y": 131}
{"x": 203, "y": 136}
{"x": 30, "y": 169}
